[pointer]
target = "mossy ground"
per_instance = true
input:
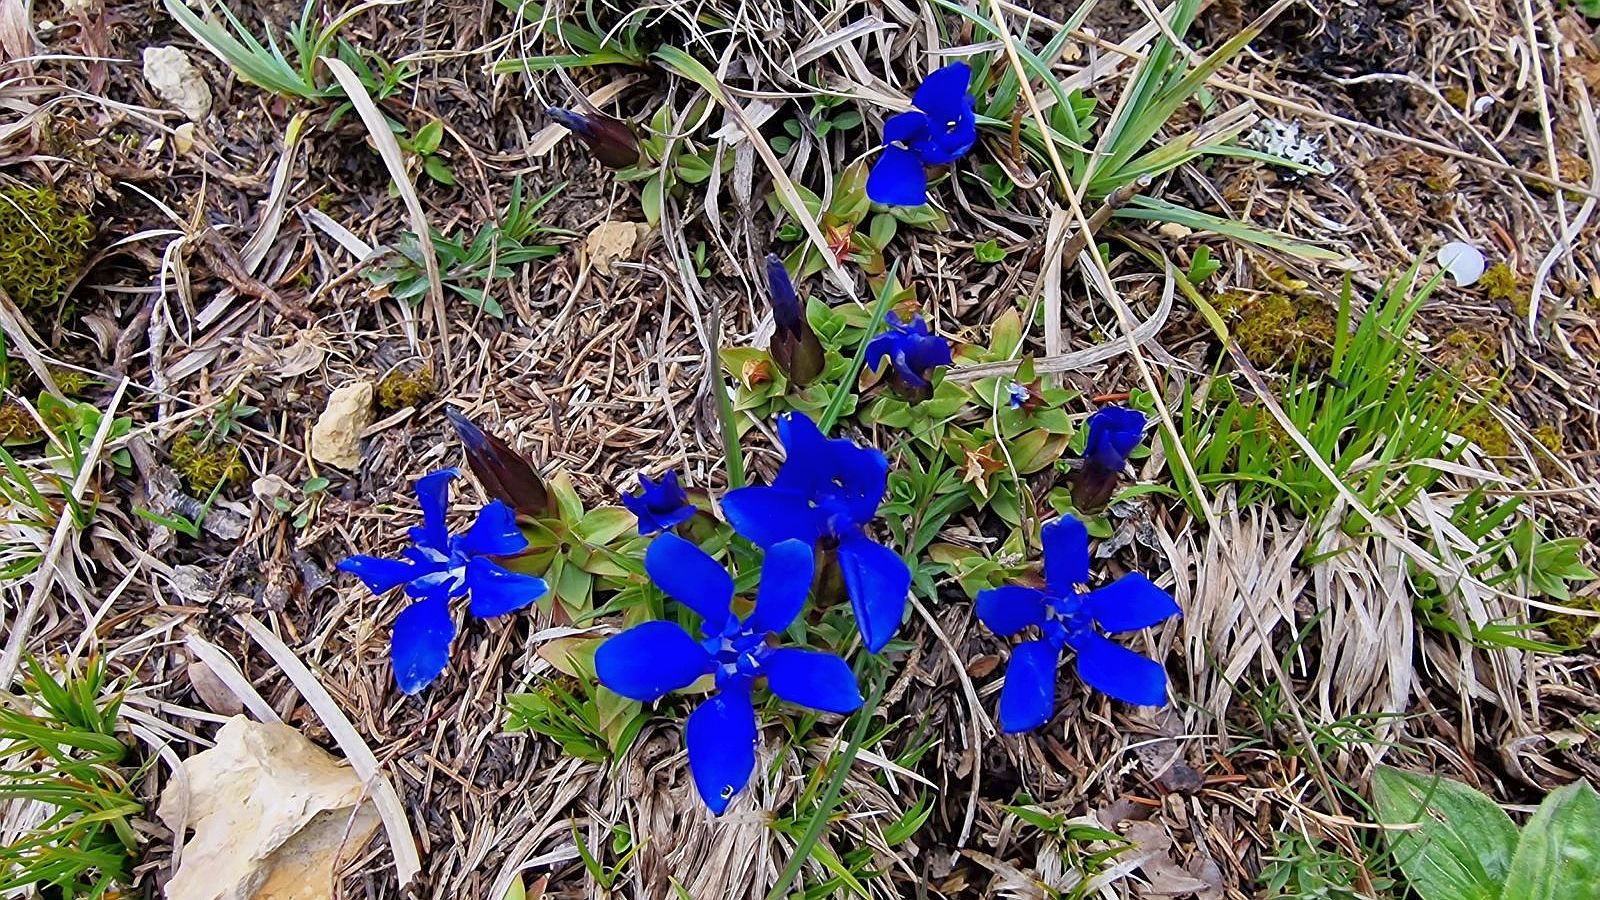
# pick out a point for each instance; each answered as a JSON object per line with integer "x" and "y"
{"x": 44, "y": 243}
{"x": 1278, "y": 330}
{"x": 203, "y": 465}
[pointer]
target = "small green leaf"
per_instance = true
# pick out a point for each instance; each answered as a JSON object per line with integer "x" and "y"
{"x": 1462, "y": 844}
{"x": 439, "y": 170}
{"x": 693, "y": 169}
{"x": 989, "y": 252}
{"x": 1560, "y": 847}
{"x": 428, "y": 138}
{"x": 652, "y": 200}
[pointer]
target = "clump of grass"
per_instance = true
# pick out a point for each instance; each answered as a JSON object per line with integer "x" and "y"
{"x": 400, "y": 389}
{"x": 60, "y": 741}
{"x": 44, "y": 243}
{"x": 1373, "y": 412}
{"x": 1573, "y": 630}
{"x": 1570, "y": 167}
{"x": 1278, "y": 330}
{"x": 204, "y": 464}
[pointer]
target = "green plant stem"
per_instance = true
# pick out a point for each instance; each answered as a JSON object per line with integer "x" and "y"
{"x": 830, "y": 795}
{"x": 879, "y": 310}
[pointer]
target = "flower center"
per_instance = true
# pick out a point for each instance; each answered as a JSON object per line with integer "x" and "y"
{"x": 738, "y": 653}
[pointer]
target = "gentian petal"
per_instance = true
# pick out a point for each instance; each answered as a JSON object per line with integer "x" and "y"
{"x": 812, "y": 679}
{"x": 495, "y": 591}
{"x": 1029, "y": 696}
{"x": 1118, "y": 672}
{"x": 771, "y": 515}
{"x": 659, "y": 505}
{"x": 898, "y": 179}
{"x": 843, "y": 481}
{"x": 1114, "y": 432}
{"x": 950, "y": 140}
{"x": 1130, "y": 603}
{"x": 419, "y": 646}
{"x": 878, "y": 581}
{"x": 905, "y": 127}
{"x": 786, "y": 576}
{"x": 650, "y": 660}
{"x": 1066, "y": 555}
{"x": 692, "y": 578}
{"x": 433, "y": 495}
{"x": 1009, "y": 609}
{"x": 721, "y": 734}
{"x": 495, "y": 533}
{"x": 379, "y": 575}
{"x": 943, "y": 94}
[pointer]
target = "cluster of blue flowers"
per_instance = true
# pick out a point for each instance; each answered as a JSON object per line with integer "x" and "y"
{"x": 813, "y": 524}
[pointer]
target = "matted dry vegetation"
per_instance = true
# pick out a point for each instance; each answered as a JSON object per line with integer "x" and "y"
{"x": 225, "y": 269}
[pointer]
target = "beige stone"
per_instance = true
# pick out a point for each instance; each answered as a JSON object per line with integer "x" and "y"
{"x": 336, "y": 438}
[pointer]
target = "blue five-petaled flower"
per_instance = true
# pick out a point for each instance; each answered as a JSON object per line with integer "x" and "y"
{"x": 439, "y": 567}
{"x": 911, "y": 349}
{"x": 941, "y": 130}
{"x": 824, "y": 495}
{"x": 1067, "y": 618}
{"x": 659, "y": 504}
{"x": 650, "y": 660}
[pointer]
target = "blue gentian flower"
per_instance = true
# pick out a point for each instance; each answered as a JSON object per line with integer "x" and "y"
{"x": 1114, "y": 433}
{"x": 611, "y": 141}
{"x": 941, "y": 130}
{"x": 660, "y": 504}
{"x": 440, "y": 566}
{"x": 1067, "y": 618}
{"x": 794, "y": 346}
{"x": 825, "y": 494}
{"x": 912, "y": 350}
{"x": 648, "y": 661}
{"x": 1017, "y": 394}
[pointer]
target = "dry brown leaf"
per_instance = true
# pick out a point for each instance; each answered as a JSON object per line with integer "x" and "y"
{"x": 273, "y": 817}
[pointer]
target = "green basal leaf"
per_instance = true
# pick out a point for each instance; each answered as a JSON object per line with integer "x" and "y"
{"x": 1005, "y": 335}
{"x": 605, "y": 524}
{"x": 1462, "y": 845}
{"x": 1560, "y": 848}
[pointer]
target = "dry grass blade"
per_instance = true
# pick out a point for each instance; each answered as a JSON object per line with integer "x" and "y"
{"x": 21, "y": 628}
{"x": 406, "y": 861}
{"x": 383, "y": 138}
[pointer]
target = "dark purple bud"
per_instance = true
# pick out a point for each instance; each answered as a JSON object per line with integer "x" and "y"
{"x": 611, "y": 141}
{"x": 794, "y": 346}
{"x": 1114, "y": 433}
{"x": 504, "y": 473}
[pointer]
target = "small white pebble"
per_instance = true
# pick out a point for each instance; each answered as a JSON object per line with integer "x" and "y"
{"x": 1462, "y": 261}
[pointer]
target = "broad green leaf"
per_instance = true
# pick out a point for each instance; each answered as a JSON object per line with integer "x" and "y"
{"x": 1462, "y": 845}
{"x": 1560, "y": 848}
{"x": 605, "y": 524}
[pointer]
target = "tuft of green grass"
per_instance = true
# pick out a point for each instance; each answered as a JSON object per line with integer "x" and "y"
{"x": 1374, "y": 414}
{"x": 60, "y": 740}
{"x": 469, "y": 268}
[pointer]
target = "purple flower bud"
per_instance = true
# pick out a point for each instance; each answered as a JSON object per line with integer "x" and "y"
{"x": 504, "y": 473}
{"x": 611, "y": 141}
{"x": 1114, "y": 432}
{"x": 794, "y": 346}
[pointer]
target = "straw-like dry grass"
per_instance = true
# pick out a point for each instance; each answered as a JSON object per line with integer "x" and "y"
{"x": 228, "y": 266}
